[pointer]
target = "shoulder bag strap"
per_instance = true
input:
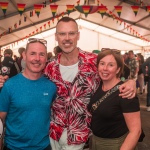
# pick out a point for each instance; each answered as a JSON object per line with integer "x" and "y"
{"x": 98, "y": 102}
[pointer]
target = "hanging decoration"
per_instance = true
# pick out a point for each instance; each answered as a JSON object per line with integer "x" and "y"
{"x": 21, "y": 8}
{"x": 49, "y": 24}
{"x": 53, "y": 9}
{"x": 37, "y": 8}
{"x": 118, "y": 10}
{"x": 15, "y": 25}
{"x": 44, "y": 4}
{"x": 102, "y": 10}
{"x": 70, "y": 8}
{"x": 20, "y": 22}
{"x": 25, "y": 18}
{"x": 31, "y": 13}
{"x": 148, "y": 9}
{"x": 4, "y": 6}
{"x": 87, "y": 9}
{"x": 135, "y": 9}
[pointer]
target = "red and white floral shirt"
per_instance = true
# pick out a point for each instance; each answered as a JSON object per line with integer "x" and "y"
{"x": 69, "y": 110}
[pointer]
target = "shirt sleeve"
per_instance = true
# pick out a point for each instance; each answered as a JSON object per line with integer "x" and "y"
{"x": 130, "y": 105}
{"x": 4, "y": 99}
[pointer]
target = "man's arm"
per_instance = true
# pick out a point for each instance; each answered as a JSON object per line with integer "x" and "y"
{"x": 128, "y": 89}
{"x": 2, "y": 120}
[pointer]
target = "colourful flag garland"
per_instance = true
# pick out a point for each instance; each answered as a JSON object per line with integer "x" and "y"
{"x": 53, "y": 9}
{"x": 135, "y": 9}
{"x": 148, "y": 9}
{"x": 118, "y": 10}
{"x": 70, "y": 8}
{"x": 86, "y": 9}
{"x": 37, "y": 8}
{"x": 4, "y": 6}
{"x": 21, "y": 8}
{"x": 102, "y": 10}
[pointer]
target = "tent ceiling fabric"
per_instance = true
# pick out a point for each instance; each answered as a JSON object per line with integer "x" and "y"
{"x": 139, "y": 23}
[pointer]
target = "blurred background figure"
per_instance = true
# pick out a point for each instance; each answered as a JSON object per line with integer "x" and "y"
{"x": 15, "y": 58}
{"x": 126, "y": 71}
{"x": 21, "y": 62}
{"x": 9, "y": 66}
{"x": 57, "y": 50}
{"x": 49, "y": 56}
{"x": 140, "y": 59}
{"x": 133, "y": 65}
{"x": 126, "y": 58}
{"x": 146, "y": 71}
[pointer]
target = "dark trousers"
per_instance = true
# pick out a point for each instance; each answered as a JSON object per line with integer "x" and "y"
{"x": 47, "y": 148}
{"x": 148, "y": 92}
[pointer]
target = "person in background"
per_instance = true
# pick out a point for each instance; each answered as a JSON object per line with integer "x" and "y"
{"x": 116, "y": 122}
{"x": 133, "y": 65}
{"x": 15, "y": 58}
{"x": 20, "y": 61}
{"x": 126, "y": 71}
{"x": 9, "y": 66}
{"x": 140, "y": 58}
{"x": 25, "y": 102}
{"x": 126, "y": 58}
{"x": 75, "y": 74}
{"x": 57, "y": 50}
{"x": 49, "y": 56}
{"x": 146, "y": 71}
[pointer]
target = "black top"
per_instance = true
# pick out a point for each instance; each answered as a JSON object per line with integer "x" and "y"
{"x": 108, "y": 120}
{"x": 11, "y": 64}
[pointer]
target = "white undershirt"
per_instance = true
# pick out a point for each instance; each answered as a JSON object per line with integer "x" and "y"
{"x": 68, "y": 73}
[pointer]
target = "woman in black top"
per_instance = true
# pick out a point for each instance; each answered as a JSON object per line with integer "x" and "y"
{"x": 116, "y": 122}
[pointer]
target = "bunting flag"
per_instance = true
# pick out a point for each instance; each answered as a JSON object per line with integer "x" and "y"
{"x": 53, "y": 9}
{"x": 45, "y": 26}
{"x": 53, "y": 20}
{"x": 102, "y": 10}
{"x": 4, "y": 6}
{"x": 81, "y": 9}
{"x": 148, "y": 9}
{"x": 31, "y": 13}
{"x": 70, "y": 8}
{"x": 44, "y": 4}
{"x": 49, "y": 23}
{"x": 10, "y": 29}
{"x": 25, "y": 18}
{"x": 37, "y": 8}
{"x": 37, "y": 30}
{"x": 135, "y": 9}
{"x": 15, "y": 25}
{"x": 19, "y": 22}
{"x": 41, "y": 29}
{"x": 118, "y": 10}
{"x": 86, "y": 9}
{"x": 21, "y": 8}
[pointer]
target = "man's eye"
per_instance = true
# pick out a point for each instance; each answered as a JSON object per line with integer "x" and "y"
{"x": 72, "y": 33}
{"x": 62, "y": 34}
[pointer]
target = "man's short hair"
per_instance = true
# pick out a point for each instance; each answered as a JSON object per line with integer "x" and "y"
{"x": 21, "y": 50}
{"x": 8, "y": 51}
